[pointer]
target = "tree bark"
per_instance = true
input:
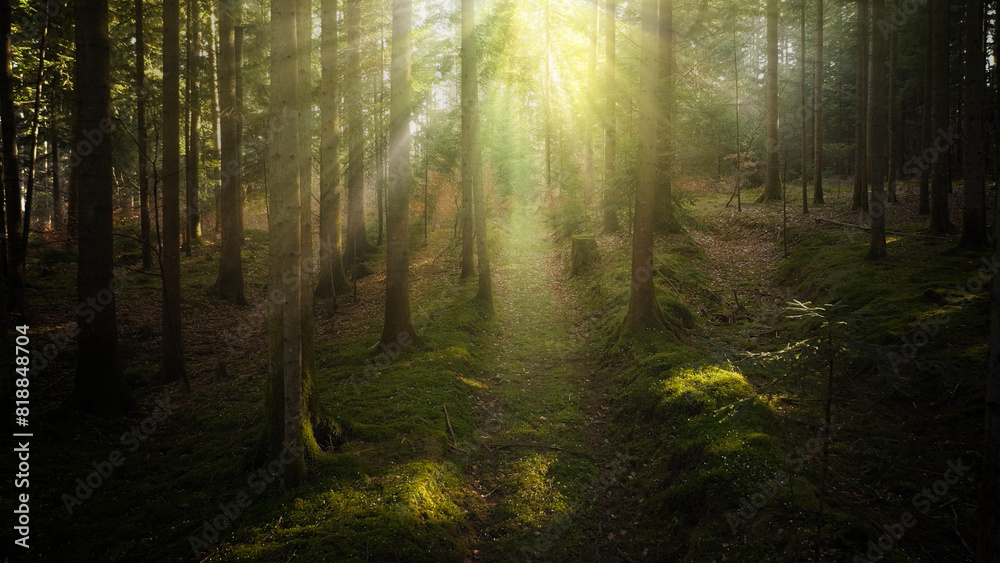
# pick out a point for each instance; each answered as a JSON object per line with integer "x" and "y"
{"x": 240, "y": 109}
{"x": 307, "y": 334}
{"x": 609, "y": 209}
{"x": 230, "y": 283}
{"x": 877, "y": 134}
{"x": 29, "y": 191}
{"x": 469, "y": 84}
{"x": 547, "y": 100}
{"x": 285, "y": 399}
{"x": 664, "y": 207}
{"x": 989, "y": 508}
{"x": 398, "y": 329}
{"x": 804, "y": 157}
{"x": 974, "y": 209}
{"x": 191, "y": 154}
{"x": 213, "y": 85}
{"x": 99, "y": 383}
{"x": 643, "y": 310}
{"x": 860, "y": 194}
{"x": 357, "y": 245}
{"x": 589, "y": 181}
{"x": 818, "y": 109}
{"x": 57, "y": 198}
{"x": 331, "y": 267}
{"x": 925, "y": 123}
{"x": 141, "y": 136}
{"x": 11, "y": 169}
{"x": 895, "y": 146}
{"x": 380, "y": 143}
{"x": 772, "y": 181}
{"x": 172, "y": 366}
{"x": 940, "y": 126}
{"x": 472, "y": 149}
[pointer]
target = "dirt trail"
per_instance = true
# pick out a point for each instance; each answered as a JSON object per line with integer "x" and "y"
{"x": 543, "y": 452}
{"x": 741, "y": 254}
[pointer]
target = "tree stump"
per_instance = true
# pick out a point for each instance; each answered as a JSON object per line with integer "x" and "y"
{"x": 583, "y": 255}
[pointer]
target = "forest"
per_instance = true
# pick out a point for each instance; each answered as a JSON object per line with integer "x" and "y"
{"x": 500, "y": 280}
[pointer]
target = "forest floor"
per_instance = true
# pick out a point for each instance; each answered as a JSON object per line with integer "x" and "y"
{"x": 556, "y": 445}
{"x": 542, "y": 456}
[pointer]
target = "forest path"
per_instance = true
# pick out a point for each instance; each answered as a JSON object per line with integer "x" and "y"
{"x": 541, "y": 453}
{"x": 741, "y": 254}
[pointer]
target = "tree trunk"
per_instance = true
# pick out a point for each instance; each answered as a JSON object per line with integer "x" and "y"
{"x": 609, "y": 209}
{"x": 379, "y": 127}
{"x": 877, "y": 135}
{"x": 99, "y": 383}
{"x": 398, "y": 329}
{"x": 288, "y": 425}
{"x": 860, "y": 195}
{"x": 140, "y": 137}
{"x": 472, "y": 165}
{"x": 818, "y": 110}
{"x": 589, "y": 181}
{"x": 974, "y": 209}
{"x": 643, "y": 310}
{"x": 331, "y": 266}
{"x": 772, "y": 182}
{"x": 547, "y": 100}
{"x": 307, "y": 334}
{"x": 583, "y": 254}
{"x": 11, "y": 168}
{"x": 470, "y": 85}
{"x": 72, "y": 203}
{"x": 940, "y": 176}
{"x": 29, "y": 191}
{"x": 213, "y": 84}
{"x": 191, "y": 170}
{"x": 989, "y": 508}
{"x": 57, "y": 203}
{"x": 230, "y": 283}
{"x": 895, "y": 146}
{"x": 925, "y": 131}
{"x": 357, "y": 246}
{"x": 240, "y": 110}
{"x": 664, "y": 207}
{"x": 804, "y": 157}
{"x": 172, "y": 366}
{"x": 380, "y": 143}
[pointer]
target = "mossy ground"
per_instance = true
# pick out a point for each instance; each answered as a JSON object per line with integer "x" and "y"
{"x": 572, "y": 441}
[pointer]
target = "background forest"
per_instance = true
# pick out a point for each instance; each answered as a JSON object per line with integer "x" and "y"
{"x": 488, "y": 280}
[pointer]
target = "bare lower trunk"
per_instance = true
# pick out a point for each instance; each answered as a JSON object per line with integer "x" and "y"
{"x": 974, "y": 209}
{"x": 772, "y": 182}
{"x": 230, "y": 282}
{"x": 99, "y": 384}
{"x": 925, "y": 120}
{"x": 172, "y": 366}
{"x": 859, "y": 198}
{"x": 11, "y": 168}
{"x": 877, "y": 134}
{"x": 643, "y": 310}
{"x": 331, "y": 268}
{"x": 398, "y": 329}
{"x": 608, "y": 205}
{"x": 818, "y": 109}
{"x": 940, "y": 170}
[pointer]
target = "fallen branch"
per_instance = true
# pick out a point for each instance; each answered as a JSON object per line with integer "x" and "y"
{"x": 447, "y": 419}
{"x": 864, "y": 228}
